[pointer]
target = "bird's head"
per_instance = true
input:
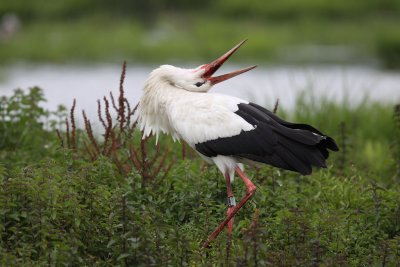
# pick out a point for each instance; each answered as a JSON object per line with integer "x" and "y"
{"x": 199, "y": 79}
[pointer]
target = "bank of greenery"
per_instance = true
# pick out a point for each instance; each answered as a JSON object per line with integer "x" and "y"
{"x": 345, "y": 31}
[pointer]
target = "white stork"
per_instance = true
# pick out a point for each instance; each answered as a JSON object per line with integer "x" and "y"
{"x": 226, "y": 130}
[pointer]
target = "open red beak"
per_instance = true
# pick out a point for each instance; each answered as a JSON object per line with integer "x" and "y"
{"x": 212, "y": 67}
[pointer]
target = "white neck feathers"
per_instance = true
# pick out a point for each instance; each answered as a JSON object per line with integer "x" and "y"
{"x": 153, "y": 117}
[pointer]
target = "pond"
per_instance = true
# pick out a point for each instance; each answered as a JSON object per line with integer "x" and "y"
{"x": 87, "y": 83}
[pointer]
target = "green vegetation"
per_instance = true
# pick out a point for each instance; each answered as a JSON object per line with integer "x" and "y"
{"x": 117, "y": 200}
{"x": 164, "y": 30}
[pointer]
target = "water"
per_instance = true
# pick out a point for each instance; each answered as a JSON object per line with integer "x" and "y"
{"x": 63, "y": 83}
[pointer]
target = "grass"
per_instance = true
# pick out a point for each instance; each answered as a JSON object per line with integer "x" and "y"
{"x": 177, "y": 36}
{"x": 122, "y": 201}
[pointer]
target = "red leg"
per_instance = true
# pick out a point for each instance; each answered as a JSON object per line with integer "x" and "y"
{"x": 250, "y": 189}
{"x": 231, "y": 202}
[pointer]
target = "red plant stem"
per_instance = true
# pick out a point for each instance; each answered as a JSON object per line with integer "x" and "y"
{"x": 89, "y": 132}
{"x": 99, "y": 114}
{"x": 113, "y": 102}
{"x": 121, "y": 100}
{"x": 67, "y": 133}
{"x": 276, "y": 106}
{"x": 60, "y": 137}
{"x": 73, "y": 126}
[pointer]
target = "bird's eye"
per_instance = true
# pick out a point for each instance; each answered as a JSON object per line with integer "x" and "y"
{"x": 198, "y": 84}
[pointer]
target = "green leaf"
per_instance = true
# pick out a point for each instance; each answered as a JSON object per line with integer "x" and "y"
{"x": 111, "y": 242}
{"x": 123, "y": 256}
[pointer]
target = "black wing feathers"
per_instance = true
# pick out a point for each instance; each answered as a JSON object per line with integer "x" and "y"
{"x": 328, "y": 141}
{"x": 274, "y": 141}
